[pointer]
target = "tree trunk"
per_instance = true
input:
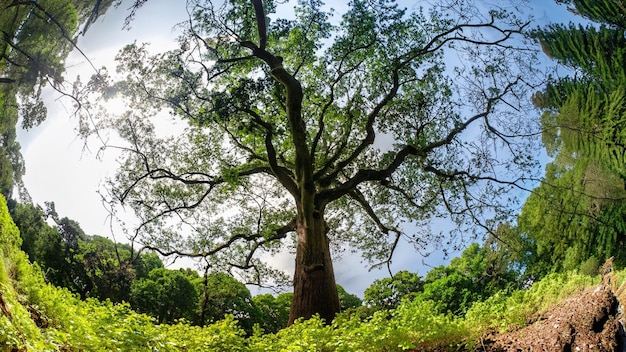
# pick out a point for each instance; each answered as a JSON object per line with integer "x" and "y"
{"x": 314, "y": 288}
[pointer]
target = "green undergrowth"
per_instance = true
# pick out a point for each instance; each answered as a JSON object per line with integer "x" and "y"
{"x": 36, "y": 316}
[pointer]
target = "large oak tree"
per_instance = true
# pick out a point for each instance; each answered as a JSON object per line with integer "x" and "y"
{"x": 313, "y": 132}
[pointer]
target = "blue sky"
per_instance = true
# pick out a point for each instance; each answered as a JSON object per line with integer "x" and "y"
{"x": 60, "y": 169}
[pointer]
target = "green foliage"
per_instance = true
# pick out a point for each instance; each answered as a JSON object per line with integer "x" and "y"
{"x": 348, "y": 300}
{"x": 35, "y": 38}
{"x": 109, "y": 267}
{"x": 477, "y": 274}
{"x": 597, "y": 52}
{"x": 36, "y": 316}
{"x": 611, "y": 12}
{"x": 168, "y": 295}
{"x": 590, "y": 267}
{"x": 221, "y": 295}
{"x": 415, "y": 324}
{"x": 92, "y": 266}
{"x": 574, "y": 215}
{"x": 452, "y": 293}
{"x": 575, "y": 218}
{"x": 10, "y": 238}
{"x": 387, "y": 293}
{"x": 24, "y": 54}
{"x": 503, "y": 312}
{"x": 11, "y": 163}
{"x": 272, "y": 312}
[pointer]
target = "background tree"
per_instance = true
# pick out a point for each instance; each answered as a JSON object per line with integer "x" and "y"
{"x": 109, "y": 266}
{"x": 386, "y": 293}
{"x": 478, "y": 273}
{"x": 221, "y": 295}
{"x": 92, "y": 266}
{"x": 272, "y": 312}
{"x": 511, "y": 259}
{"x": 337, "y": 133}
{"x": 168, "y": 295}
{"x": 601, "y": 11}
{"x": 576, "y": 216}
{"x": 347, "y": 300}
{"x": 35, "y": 38}
{"x": 472, "y": 277}
{"x": 27, "y": 62}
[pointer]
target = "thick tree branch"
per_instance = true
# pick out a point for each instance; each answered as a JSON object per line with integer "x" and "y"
{"x": 279, "y": 234}
{"x": 409, "y": 150}
{"x": 294, "y": 96}
{"x": 283, "y": 175}
{"x": 369, "y": 128}
{"x": 368, "y": 175}
{"x": 261, "y": 25}
{"x": 360, "y": 198}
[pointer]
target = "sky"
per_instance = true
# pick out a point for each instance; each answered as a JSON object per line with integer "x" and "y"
{"x": 60, "y": 167}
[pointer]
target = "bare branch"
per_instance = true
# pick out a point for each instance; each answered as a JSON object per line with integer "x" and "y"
{"x": 441, "y": 39}
{"x": 279, "y": 234}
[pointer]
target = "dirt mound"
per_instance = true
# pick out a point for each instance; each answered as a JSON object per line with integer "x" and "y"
{"x": 591, "y": 320}
{"x": 587, "y": 321}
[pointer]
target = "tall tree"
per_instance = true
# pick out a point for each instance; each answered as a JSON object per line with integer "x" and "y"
{"x": 577, "y": 213}
{"x": 589, "y": 108}
{"x": 338, "y": 133}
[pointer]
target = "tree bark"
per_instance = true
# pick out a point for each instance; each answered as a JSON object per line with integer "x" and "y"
{"x": 314, "y": 291}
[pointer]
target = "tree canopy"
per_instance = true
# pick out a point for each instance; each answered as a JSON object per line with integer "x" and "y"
{"x": 317, "y": 133}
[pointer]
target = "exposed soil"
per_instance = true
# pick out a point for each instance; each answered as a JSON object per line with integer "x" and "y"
{"x": 587, "y": 321}
{"x": 590, "y": 320}
{"x": 4, "y": 307}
